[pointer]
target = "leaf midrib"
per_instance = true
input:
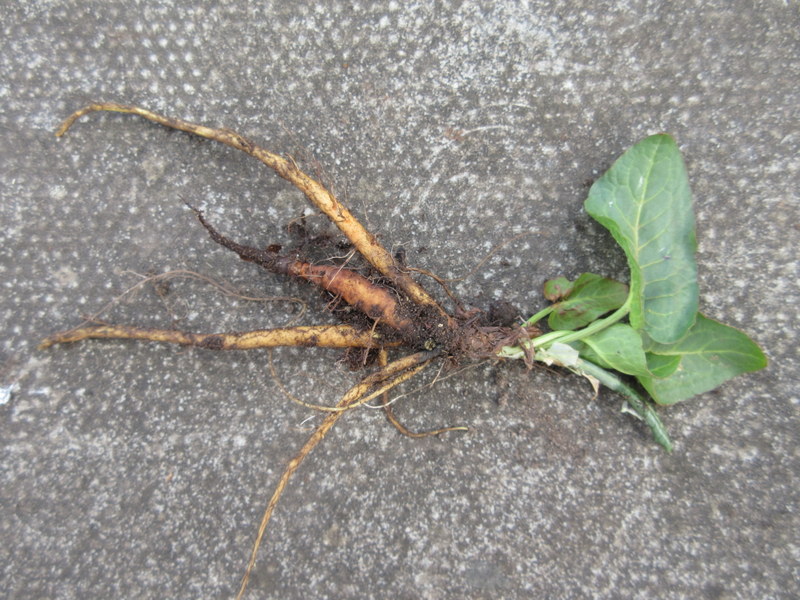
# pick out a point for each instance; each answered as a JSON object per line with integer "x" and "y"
{"x": 640, "y": 205}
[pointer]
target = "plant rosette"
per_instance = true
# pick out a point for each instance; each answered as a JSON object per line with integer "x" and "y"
{"x": 650, "y": 330}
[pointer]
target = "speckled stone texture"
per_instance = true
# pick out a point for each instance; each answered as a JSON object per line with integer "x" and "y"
{"x": 141, "y": 471}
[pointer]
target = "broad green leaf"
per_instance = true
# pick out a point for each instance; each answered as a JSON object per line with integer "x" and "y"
{"x": 618, "y": 347}
{"x": 709, "y": 354}
{"x": 645, "y": 202}
{"x": 662, "y": 366}
{"x": 589, "y": 297}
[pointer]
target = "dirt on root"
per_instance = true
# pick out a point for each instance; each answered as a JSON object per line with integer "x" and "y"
{"x": 468, "y": 334}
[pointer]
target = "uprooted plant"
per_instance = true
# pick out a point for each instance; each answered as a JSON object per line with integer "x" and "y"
{"x": 649, "y": 331}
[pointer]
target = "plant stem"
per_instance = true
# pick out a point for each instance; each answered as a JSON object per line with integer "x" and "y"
{"x": 565, "y": 337}
{"x": 634, "y": 399}
{"x": 539, "y": 315}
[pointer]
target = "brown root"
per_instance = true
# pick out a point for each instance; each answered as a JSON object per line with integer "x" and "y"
{"x": 400, "y": 304}
{"x": 320, "y": 336}
{"x": 373, "y": 300}
{"x": 385, "y": 379}
{"x": 390, "y": 416}
{"x": 366, "y": 243}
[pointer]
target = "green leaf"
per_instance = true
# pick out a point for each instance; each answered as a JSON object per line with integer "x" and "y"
{"x": 645, "y": 202}
{"x": 558, "y": 288}
{"x": 662, "y": 366}
{"x": 709, "y": 354}
{"x": 618, "y": 347}
{"x": 590, "y": 296}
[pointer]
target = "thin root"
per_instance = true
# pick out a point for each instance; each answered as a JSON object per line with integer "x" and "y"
{"x": 388, "y": 377}
{"x": 222, "y": 286}
{"x": 387, "y": 408}
{"x": 295, "y": 399}
{"x": 390, "y": 416}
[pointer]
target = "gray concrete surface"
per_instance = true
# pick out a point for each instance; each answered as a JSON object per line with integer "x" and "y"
{"x": 140, "y": 471}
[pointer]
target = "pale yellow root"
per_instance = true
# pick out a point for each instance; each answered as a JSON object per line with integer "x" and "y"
{"x": 317, "y": 194}
{"x": 388, "y": 377}
{"x": 390, "y": 416}
{"x": 321, "y": 336}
